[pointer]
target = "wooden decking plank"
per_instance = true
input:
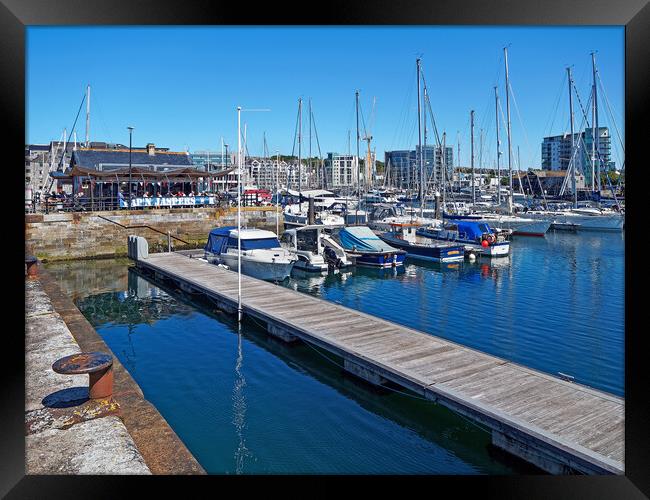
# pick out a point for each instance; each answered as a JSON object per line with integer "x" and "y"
{"x": 574, "y": 413}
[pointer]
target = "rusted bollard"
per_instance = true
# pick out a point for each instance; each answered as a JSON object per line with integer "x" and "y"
{"x": 98, "y": 366}
{"x": 32, "y": 266}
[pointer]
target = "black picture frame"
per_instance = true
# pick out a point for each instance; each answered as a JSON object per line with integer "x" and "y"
{"x": 15, "y": 15}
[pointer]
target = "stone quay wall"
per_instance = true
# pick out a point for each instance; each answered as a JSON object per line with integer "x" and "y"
{"x": 82, "y": 235}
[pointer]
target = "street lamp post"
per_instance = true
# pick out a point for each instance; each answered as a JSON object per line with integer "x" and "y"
{"x": 130, "y": 167}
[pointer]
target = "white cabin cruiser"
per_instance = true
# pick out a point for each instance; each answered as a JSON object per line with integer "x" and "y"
{"x": 305, "y": 243}
{"x": 262, "y": 256}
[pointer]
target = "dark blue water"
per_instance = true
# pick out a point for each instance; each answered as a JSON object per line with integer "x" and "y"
{"x": 245, "y": 403}
{"x": 555, "y": 304}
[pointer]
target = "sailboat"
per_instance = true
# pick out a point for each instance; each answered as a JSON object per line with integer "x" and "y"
{"x": 589, "y": 218}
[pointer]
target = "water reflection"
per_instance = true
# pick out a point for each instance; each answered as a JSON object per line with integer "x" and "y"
{"x": 239, "y": 407}
{"x": 139, "y": 303}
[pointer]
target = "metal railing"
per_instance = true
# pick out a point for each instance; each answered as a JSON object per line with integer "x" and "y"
{"x": 146, "y": 226}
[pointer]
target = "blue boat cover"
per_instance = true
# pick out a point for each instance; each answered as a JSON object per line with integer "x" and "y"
{"x": 468, "y": 230}
{"x": 218, "y": 239}
{"x": 362, "y": 239}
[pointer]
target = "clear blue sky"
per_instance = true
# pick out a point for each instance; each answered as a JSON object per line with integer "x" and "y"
{"x": 180, "y": 86}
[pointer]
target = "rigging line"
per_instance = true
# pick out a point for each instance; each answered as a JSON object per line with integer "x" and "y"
{"x": 73, "y": 126}
{"x": 557, "y": 105}
{"x": 584, "y": 114}
{"x": 401, "y": 120}
{"x": 295, "y": 135}
{"x": 428, "y": 105}
{"x": 363, "y": 121}
{"x": 101, "y": 118}
{"x": 610, "y": 110}
{"x": 530, "y": 155}
{"x": 313, "y": 119}
{"x": 405, "y": 137}
{"x": 572, "y": 161}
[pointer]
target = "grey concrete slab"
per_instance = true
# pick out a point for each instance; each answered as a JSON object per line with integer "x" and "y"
{"x": 100, "y": 446}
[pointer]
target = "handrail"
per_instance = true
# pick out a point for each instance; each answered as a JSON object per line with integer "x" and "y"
{"x": 143, "y": 226}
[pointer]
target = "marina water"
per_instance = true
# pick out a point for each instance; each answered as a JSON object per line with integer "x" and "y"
{"x": 245, "y": 403}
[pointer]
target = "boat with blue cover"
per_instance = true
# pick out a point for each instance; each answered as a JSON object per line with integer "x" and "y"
{"x": 404, "y": 236}
{"x": 367, "y": 248}
{"x": 475, "y": 235}
{"x": 262, "y": 256}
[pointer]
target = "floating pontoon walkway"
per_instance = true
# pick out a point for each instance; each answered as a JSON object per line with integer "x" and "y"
{"x": 559, "y": 426}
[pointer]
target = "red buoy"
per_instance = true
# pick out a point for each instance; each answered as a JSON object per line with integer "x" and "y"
{"x": 485, "y": 243}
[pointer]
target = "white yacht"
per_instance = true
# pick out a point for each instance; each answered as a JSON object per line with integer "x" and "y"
{"x": 262, "y": 256}
{"x": 384, "y": 216}
{"x": 522, "y": 226}
{"x": 585, "y": 218}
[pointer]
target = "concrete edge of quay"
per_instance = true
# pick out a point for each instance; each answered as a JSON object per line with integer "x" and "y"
{"x": 161, "y": 449}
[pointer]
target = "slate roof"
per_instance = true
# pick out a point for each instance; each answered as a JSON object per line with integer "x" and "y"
{"x": 107, "y": 159}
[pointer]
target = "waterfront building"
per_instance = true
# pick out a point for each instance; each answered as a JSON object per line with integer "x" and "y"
{"x": 213, "y": 161}
{"x": 404, "y": 167}
{"x": 556, "y": 152}
{"x": 341, "y": 170}
{"x": 37, "y": 167}
{"x": 99, "y": 175}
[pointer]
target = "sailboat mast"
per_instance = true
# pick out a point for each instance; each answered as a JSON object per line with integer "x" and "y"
{"x": 88, "y": 116}
{"x": 239, "y": 167}
{"x": 496, "y": 97}
{"x": 310, "y": 163}
{"x": 356, "y": 94}
{"x": 417, "y": 63}
{"x": 571, "y": 157}
{"x": 471, "y": 119}
{"x": 505, "y": 50}
{"x": 443, "y": 163}
{"x": 424, "y": 137}
{"x": 299, "y": 150}
{"x": 277, "y": 196}
{"x": 480, "y": 149}
{"x": 595, "y": 139}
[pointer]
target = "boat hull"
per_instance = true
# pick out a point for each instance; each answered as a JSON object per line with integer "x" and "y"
{"x": 581, "y": 222}
{"x": 378, "y": 259}
{"x": 270, "y": 271}
{"x": 536, "y": 228}
{"x": 437, "y": 253}
{"x": 500, "y": 249}
{"x": 310, "y": 267}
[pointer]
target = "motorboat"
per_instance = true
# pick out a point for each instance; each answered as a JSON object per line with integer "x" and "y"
{"x": 334, "y": 253}
{"x": 261, "y": 254}
{"x": 305, "y": 242}
{"x": 367, "y": 249}
{"x": 404, "y": 237}
{"x": 475, "y": 235}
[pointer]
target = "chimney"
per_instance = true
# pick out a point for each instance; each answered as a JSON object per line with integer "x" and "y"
{"x": 151, "y": 149}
